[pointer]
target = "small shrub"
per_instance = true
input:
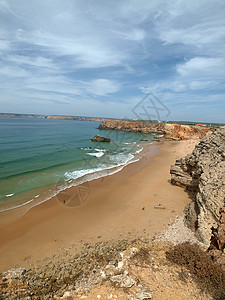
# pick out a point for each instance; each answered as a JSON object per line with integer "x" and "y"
{"x": 207, "y": 274}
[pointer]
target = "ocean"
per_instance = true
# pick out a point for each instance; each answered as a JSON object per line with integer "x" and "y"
{"x": 41, "y": 157}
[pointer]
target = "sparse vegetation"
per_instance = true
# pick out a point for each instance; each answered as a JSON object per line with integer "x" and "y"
{"x": 207, "y": 274}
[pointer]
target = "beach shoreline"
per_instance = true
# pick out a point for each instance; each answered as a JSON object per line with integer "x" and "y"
{"x": 46, "y": 193}
{"x": 115, "y": 205}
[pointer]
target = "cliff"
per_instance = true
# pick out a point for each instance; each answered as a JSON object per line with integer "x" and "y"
{"x": 202, "y": 173}
{"x": 59, "y": 117}
{"x": 170, "y": 131}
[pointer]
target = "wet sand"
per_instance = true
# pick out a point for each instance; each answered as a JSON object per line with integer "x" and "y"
{"x": 102, "y": 209}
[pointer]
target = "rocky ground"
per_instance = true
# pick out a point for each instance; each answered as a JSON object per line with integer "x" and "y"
{"x": 128, "y": 268}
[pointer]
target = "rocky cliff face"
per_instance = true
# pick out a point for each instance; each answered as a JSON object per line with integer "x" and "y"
{"x": 218, "y": 234}
{"x": 202, "y": 173}
{"x": 172, "y": 131}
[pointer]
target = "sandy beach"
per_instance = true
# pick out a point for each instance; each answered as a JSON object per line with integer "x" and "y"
{"x": 103, "y": 209}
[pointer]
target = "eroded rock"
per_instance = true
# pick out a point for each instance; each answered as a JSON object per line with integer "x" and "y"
{"x": 218, "y": 234}
{"x": 98, "y": 138}
{"x": 202, "y": 173}
{"x": 171, "y": 131}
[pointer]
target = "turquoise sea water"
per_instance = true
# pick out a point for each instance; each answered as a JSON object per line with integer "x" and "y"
{"x": 40, "y": 157}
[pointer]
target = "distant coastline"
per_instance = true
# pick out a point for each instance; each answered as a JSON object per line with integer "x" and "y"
{"x": 59, "y": 117}
{"x": 101, "y": 119}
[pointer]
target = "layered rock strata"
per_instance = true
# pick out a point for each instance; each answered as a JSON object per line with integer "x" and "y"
{"x": 171, "y": 131}
{"x": 202, "y": 173}
{"x": 218, "y": 234}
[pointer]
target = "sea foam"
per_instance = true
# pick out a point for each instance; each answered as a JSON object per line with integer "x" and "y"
{"x": 98, "y": 154}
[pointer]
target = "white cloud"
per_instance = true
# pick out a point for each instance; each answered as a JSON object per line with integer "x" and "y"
{"x": 85, "y": 52}
{"x": 196, "y": 35}
{"x": 206, "y": 85}
{"x": 40, "y": 62}
{"x": 195, "y": 23}
{"x": 102, "y": 87}
{"x": 53, "y": 85}
{"x": 133, "y": 35}
{"x": 13, "y": 72}
{"x": 202, "y": 66}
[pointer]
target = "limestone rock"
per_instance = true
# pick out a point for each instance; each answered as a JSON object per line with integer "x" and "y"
{"x": 170, "y": 131}
{"x": 15, "y": 273}
{"x": 98, "y": 138}
{"x": 123, "y": 280}
{"x": 159, "y": 206}
{"x": 202, "y": 173}
{"x": 218, "y": 234}
{"x": 145, "y": 293}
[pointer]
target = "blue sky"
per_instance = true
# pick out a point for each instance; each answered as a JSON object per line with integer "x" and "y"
{"x": 100, "y": 58}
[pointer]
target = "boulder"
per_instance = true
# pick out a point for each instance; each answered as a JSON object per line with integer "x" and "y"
{"x": 159, "y": 206}
{"x": 98, "y": 138}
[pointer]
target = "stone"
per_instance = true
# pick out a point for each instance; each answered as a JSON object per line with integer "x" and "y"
{"x": 123, "y": 280}
{"x": 98, "y": 138}
{"x": 202, "y": 174}
{"x": 143, "y": 293}
{"x": 159, "y": 206}
{"x": 144, "y": 296}
{"x": 15, "y": 273}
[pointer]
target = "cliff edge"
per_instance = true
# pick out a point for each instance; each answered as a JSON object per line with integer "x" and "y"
{"x": 170, "y": 131}
{"x": 202, "y": 173}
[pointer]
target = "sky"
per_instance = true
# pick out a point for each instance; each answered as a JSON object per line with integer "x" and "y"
{"x": 119, "y": 59}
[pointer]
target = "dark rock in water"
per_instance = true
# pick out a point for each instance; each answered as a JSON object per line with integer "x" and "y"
{"x": 99, "y": 138}
{"x": 144, "y": 140}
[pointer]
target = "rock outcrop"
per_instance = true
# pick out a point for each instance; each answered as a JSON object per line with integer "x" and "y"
{"x": 98, "y": 138}
{"x": 170, "y": 131}
{"x": 218, "y": 234}
{"x": 202, "y": 173}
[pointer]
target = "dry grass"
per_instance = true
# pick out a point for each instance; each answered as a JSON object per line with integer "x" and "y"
{"x": 208, "y": 275}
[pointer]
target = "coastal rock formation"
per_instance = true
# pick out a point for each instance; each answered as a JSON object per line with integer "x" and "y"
{"x": 218, "y": 234}
{"x": 98, "y": 138}
{"x": 58, "y": 117}
{"x": 171, "y": 131}
{"x": 122, "y": 269}
{"x": 202, "y": 173}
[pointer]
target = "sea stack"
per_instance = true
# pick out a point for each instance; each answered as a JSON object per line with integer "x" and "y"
{"x": 98, "y": 138}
